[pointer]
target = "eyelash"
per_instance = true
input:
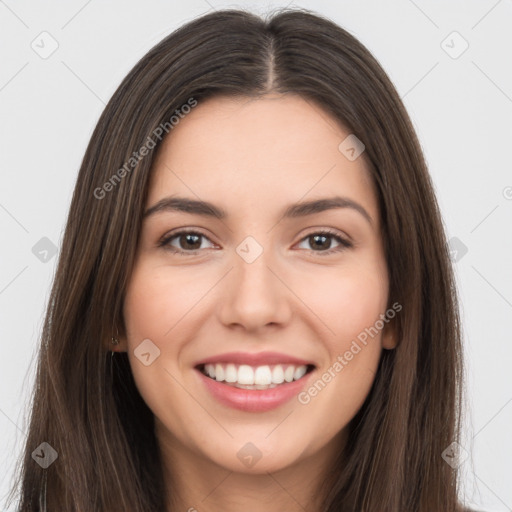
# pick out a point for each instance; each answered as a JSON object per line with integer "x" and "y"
{"x": 164, "y": 242}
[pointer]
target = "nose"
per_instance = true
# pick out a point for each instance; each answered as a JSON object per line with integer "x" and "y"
{"x": 254, "y": 295}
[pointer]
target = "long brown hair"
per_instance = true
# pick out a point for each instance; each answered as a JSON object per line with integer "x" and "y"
{"x": 90, "y": 412}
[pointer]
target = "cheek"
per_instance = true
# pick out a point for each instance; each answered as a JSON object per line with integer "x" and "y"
{"x": 350, "y": 305}
{"x": 349, "y": 302}
{"x": 157, "y": 306}
{"x": 148, "y": 313}
{"x": 154, "y": 304}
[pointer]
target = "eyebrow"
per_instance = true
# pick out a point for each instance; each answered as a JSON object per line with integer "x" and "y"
{"x": 302, "y": 209}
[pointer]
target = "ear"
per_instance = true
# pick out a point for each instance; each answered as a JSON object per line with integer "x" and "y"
{"x": 120, "y": 347}
{"x": 389, "y": 335}
{"x": 120, "y": 336}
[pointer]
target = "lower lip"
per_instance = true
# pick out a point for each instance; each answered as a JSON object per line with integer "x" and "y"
{"x": 254, "y": 400}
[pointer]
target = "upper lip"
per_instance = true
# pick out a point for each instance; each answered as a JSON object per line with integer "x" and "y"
{"x": 254, "y": 359}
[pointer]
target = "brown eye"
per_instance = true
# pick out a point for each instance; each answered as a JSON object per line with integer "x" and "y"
{"x": 184, "y": 242}
{"x": 321, "y": 242}
{"x": 187, "y": 241}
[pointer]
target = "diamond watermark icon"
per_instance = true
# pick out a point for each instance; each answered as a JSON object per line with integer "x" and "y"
{"x": 457, "y": 249}
{"x": 249, "y": 249}
{"x": 147, "y": 352}
{"x": 454, "y": 455}
{"x": 45, "y": 455}
{"x": 44, "y": 250}
{"x": 44, "y": 45}
{"x": 351, "y": 147}
{"x": 249, "y": 455}
{"x": 454, "y": 45}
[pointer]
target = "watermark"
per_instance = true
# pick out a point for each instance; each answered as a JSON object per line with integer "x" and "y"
{"x": 45, "y": 455}
{"x": 146, "y": 352}
{"x": 304, "y": 397}
{"x": 44, "y": 45}
{"x": 44, "y": 250}
{"x": 351, "y": 147}
{"x": 454, "y": 45}
{"x": 249, "y": 454}
{"x": 454, "y": 455}
{"x": 145, "y": 149}
{"x": 249, "y": 249}
{"x": 458, "y": 249}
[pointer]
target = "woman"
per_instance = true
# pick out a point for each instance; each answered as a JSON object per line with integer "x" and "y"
{"x": 254, "y": 306}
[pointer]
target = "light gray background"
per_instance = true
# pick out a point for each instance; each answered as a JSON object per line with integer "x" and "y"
{"x": 461, "y": 108}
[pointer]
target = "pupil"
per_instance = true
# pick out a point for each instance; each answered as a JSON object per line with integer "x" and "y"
{"x": 320, "y": 241}
{"x": 316, "y": 237}
{"x": 190, "y": 237}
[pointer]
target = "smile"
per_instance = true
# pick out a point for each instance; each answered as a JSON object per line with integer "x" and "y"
{"x": 244, "y": 376}
{"x": 254, "y": 382}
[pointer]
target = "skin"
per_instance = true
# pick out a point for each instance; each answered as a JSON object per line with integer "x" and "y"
{"x": 254, "y": 157}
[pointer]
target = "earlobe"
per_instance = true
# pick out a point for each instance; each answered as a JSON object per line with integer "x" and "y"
{"x": 389, "y": 337}
{"x": 117, "y": 344}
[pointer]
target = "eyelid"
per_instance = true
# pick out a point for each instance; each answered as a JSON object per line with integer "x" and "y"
{"x": 331, "y": 231}
{"x": 164, "y": 240}
{"x": 345, "y": 241}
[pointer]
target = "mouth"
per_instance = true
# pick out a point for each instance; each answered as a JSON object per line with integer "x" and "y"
{"x": 254, "y": 382}
{"x": 255, "y": 387}
{"x": 248, "y": 377}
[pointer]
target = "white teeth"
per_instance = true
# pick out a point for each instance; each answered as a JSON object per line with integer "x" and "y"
{"x": 231, "y": 374}
{"x": 299, "y": 372}
{"x": 288, "y": 374}
{"x": 261, "y": 377}
{"x": 278, "y": 374}
{"x": 219, "y": 372}
{"x": 245, "y": 374}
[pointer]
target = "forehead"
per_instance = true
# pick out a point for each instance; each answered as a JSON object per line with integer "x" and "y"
{"x": 257, "y": 152}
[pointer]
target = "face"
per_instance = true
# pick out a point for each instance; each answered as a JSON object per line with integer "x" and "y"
{"x": 252, "y": 291}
